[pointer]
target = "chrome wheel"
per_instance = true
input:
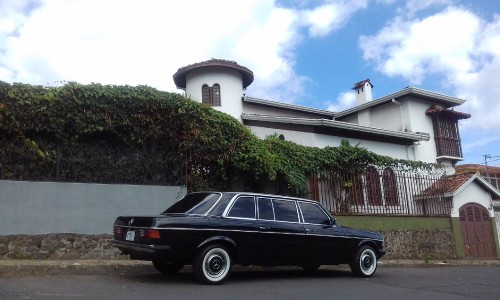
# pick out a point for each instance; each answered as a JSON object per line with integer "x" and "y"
{"x": 368, "y": 262}
{"x": 216, "y": 263}
{"x": 364, "y": 264}
{"x": 212, "y": 265}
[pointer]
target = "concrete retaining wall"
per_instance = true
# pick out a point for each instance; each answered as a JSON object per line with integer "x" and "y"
{"x": 45, "y": 220}
{"x": 32, "y": 208}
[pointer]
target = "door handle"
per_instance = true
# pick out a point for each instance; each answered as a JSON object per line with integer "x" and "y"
{"x": 264, "y": 228}
{"x": 310, "y": 230}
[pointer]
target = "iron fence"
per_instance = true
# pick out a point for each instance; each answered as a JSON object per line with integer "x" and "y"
{"x": 381, "y": 192}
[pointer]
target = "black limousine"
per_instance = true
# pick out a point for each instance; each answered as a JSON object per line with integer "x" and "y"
{"x": 212, "y": 231}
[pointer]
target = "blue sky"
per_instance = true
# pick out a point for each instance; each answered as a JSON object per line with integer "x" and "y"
{"x": 303, "y": 52}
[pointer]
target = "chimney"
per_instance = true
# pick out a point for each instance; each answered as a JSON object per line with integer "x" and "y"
{"x": 363, "y": 90}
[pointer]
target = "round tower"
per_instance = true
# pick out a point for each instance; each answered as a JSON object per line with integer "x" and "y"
{"x": 217, "y": 82}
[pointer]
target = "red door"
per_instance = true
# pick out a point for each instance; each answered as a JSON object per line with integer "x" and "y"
{"x": 477, "y": 231}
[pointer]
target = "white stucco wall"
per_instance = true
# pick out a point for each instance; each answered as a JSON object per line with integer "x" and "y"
{"x": 321, "y": 141}
{"x": 302, "y": 138}
{"x": 472, "y": 193}
{"x": 420, "y": 122}
{"x": 231, "y": 88}
{"x": 388, "y": 116}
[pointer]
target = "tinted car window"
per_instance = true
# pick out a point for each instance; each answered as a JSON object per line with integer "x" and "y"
{"x": 221, "y": 205}
{"x": 243, "y": 207}
{"x": 313, "y": 214}
{"x": 191, "y": 201}
{"x": 285, "y": 211}
{"x": 265, "y": 209}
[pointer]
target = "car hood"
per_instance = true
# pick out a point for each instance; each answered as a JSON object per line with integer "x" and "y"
{"x": 362, "y": 233}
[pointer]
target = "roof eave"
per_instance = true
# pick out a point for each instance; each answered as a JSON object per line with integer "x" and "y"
{"x": 444, "y": 99}
{"x": 410, "y": 136}
{"x": 292, "y": 107}
{"x": 492, "y": 190}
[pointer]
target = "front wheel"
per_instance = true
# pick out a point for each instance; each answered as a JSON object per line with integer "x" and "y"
{"x": 364, "y": 264}
{"x": 212, "y": 264}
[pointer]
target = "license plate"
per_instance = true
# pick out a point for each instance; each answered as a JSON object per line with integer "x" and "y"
{"x": 130, "y": 235}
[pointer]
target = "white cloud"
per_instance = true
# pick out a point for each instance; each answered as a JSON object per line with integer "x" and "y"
{"x": 437, "y": 44}
{"x": 331, "y": 16}
{"x": 454, "y": 44}
{"x": 131, "y": 42}
{"x": 415, "y": 6}
{"x": 344, "y": 101}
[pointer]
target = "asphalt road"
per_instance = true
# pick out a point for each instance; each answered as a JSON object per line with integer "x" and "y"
{"x": 435, "y": 282}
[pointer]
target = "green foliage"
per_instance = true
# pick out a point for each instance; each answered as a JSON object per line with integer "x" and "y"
{"x": 86, "y": 118}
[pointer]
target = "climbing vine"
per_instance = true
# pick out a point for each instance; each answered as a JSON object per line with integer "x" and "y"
{"x": 85, "y": 117}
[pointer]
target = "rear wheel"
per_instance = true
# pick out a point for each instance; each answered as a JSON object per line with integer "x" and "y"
{"x": 167, "y": 268}
{"x": 364, "y": 264}
{"x": 212, "y": 264}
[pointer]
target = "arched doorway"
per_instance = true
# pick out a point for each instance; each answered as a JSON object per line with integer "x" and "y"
{"x": 477, "y": 234}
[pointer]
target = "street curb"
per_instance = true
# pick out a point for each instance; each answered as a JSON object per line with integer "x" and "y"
{"x": 22, "y": 268}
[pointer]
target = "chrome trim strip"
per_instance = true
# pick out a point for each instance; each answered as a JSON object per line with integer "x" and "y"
{"x": 212, "y": 207}
{"x": 139, "y": 247}
{"x": 254, "y": 231}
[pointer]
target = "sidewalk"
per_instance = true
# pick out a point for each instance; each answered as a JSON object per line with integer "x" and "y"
{"x": 20, "y": 268}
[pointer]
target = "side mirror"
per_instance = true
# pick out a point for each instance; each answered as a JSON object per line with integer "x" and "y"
{"x": 330, "y": 222}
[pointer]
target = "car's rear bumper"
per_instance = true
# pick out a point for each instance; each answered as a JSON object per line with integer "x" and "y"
{"x": 136, "y": 248}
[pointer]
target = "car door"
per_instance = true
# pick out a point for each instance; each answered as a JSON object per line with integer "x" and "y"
{"x": 325, "y": 242}
{"x": 281, "y": 232}
{"x": 240, "y": 224}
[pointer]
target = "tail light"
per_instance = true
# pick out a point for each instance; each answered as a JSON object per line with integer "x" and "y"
{"x": 149, "y": 233}
{"x": 118, "y": 232}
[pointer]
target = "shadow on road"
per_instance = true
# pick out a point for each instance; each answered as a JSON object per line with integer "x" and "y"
{"x": 243, "y": 274}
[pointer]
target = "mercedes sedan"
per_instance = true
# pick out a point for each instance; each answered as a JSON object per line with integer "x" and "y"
{"x": 212, "y": 231}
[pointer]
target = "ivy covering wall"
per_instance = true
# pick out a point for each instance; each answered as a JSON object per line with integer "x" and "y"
{"x": 125, "y": 134}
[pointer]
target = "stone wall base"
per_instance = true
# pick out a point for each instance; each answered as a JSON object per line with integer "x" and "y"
{"x": 420, "y": 244}
{"x": 58, "y": 246}
{"x": 400, "y": 244}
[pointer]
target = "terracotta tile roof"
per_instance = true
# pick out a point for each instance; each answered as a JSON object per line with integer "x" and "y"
{"x": 361, "y": 83}
{"x": 448, "y": 113}
{"x": 448, "y": 184}
{"x": 246, "y": 74}
{"x": 476, "y": 168}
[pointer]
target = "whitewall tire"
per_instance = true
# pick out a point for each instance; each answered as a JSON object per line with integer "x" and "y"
{"x": 364, "y": 264}
{"x": 212, "y": 264}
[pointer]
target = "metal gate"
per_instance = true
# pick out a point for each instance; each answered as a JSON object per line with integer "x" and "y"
{"x": 477, "y": 234}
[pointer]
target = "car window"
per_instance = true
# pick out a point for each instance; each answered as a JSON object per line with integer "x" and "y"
{"x": 204, "y": 206}
{"x": 243, "y": 207}
{"x": 265, "y": 209}
{"x": 221, "y": 205}
{"x": 285, "y": 210}
{"x": 191, "y": 202}
{"x": 313, "y": 214}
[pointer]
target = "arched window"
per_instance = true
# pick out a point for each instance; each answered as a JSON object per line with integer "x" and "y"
{"x": 390, "y": 187}
{"x": 210, "y": 95}
{"x": 373, "y": 188}
{"x": 216, "y": 95}
{"x": 205, "y": 94}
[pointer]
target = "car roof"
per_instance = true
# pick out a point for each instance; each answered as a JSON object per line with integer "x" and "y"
{"x": 232, "y": 194}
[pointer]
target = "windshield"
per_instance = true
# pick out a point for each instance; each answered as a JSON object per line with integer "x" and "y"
{"x": 196, "y": 203}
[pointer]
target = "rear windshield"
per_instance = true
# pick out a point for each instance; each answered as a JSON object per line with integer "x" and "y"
{"x": 197, "y": 203}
